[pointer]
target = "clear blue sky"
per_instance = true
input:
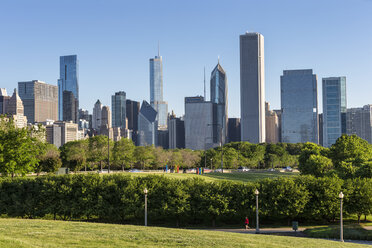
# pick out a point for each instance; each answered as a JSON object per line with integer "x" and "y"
{"x": 115, "y": 39}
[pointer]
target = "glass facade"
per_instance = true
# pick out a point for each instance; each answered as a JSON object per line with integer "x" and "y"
{"x": 147, "y": 125}
{"x": 219, "y": 100}
{"x": 299, "y": 105}
{"x": 156, "y": 91}
{"x": 118, "y": 103}
{"x": 334, "y": 109}
{"x": 68, "y": 81}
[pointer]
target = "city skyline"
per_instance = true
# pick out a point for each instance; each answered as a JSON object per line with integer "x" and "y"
{"x": 116, "y": 61}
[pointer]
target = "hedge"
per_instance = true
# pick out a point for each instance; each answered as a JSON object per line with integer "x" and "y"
{"x": 120, "y": 199}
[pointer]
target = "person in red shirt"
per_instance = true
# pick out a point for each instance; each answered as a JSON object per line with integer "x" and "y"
{"x": 246, "y": 223}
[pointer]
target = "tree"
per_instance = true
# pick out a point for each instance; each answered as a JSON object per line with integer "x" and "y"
{"x": 97, "y": 150}
{"x": 124, "y": 153}
{"x": 74, "y": 154}
{"x": 19, "y": 150}
{"x": 316, "y": 165}
{"x": 349, "y": 153}
{"x": 50, "y": 160}
{"x": 161, "y": 157}
{"x": 358, "y": 196}
{"x": 144, "y": 155}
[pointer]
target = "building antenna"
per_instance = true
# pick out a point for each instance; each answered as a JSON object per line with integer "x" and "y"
{"x": 158, "y": 49}
{"x": 218, "y": 59}
{"x": 205, "y": 96}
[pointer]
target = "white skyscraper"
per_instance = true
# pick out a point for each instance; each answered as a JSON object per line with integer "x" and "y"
{"x": 252, "y": 87}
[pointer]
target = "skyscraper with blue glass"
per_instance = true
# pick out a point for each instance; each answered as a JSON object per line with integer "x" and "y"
{"x": 299, "y": 101}
{"x": 119, "y": 112}
{"x": 334, "y": 109}
{"x": 219, "y": 101}
{"x": 156, "y": 91}
{"x": 68, "y": 81}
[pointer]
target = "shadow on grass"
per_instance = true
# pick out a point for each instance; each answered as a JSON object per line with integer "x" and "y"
{"x": 351, "y": 231}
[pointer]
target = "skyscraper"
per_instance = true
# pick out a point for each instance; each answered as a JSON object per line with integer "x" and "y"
{"x": 299, "y": 102}
{"x": 176, "y": 132}
{"x": 272, "y": 125}
{"x": 106, "y": 117}
{"x": 234, "y": 129}
{"x": 198, "y": 123}
{"x": 4, "y": 98}
{"x": 119, "y": 113}
{"x": 147, "y": 125}
{"x": 40, "y": 100}
{"x": 69, "y": 107}
{"x": 359, "y": 122}
{"x": 252, "y": 87}
{"x": 133, "y": 108}
{"x": 156, "y": 91}
{"x": 97, "y": 115}
{"x": 15, "y": 110}
{"x": 219, "y": 100}
{"x": 334, "y": 109}
{"x": 68, "y": 81}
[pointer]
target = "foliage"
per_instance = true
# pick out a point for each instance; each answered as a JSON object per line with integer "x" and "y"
{"x": 74, "y": 154}
{"x": 50, "y": 160}
{"x": 123, "y": 153}
{"x": 19, "y": 150}
{"x": 358, "y": 196}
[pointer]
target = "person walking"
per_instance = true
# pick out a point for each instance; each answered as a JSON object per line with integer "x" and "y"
{"x": 246, "y": 223}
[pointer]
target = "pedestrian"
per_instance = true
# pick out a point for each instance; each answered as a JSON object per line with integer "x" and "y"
{"x": 246, "y": 223}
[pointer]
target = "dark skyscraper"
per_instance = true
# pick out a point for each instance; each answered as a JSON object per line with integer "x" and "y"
{"x": 133, "y": 108}
{"x": 118, "y": 104}
{"x": 69, "y": 107}
{"x": 252, "y": 88}
{"x": 68, "y": 81}
{"x": 234, "y": 129}
{"x": 147, "y": 125}
{"x": 219, "y": 100}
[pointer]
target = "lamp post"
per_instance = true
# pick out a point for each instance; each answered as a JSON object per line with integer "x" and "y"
{"x": 341, "y": 196}
{"x": 108, "y": 151}
{"x": 257, "y": 225}
{"x": 145, "y": 191}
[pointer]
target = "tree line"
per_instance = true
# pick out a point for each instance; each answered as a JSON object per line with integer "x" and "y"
{"x": 119, "y": 198}
{"x": 25, "y": 150}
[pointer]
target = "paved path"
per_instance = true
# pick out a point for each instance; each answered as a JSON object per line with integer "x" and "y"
{"x": 287, "y": 232}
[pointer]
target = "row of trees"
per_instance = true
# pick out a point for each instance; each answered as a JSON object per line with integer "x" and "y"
{"x": 349, "y": 157}
{"x": 120, "y": 199}
{"x": 22, "y": 151}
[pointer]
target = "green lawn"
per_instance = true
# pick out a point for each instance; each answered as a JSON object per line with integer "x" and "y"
{"x": 235, "y": 176}
{"x": 351, "y": 231}
{"x": 16, "y": 233}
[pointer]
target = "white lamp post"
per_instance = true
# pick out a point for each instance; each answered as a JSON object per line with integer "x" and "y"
{"x": 256, "y": 192}
{"x": 341, "y": 196}
{"x": 145, "y": 191}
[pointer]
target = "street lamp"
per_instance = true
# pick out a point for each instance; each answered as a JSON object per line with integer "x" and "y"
{"x": 257, "y": 226}
{"x": 145, "y": 191}
{"x": 341, "y": 196}
{"x": 108, "y": 151}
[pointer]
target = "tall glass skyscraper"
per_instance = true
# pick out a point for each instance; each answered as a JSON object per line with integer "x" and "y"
{"x": 334, "y": 109}
{"x": 252, "y": 87}
{"x": 147, "y": 126}
{"x": 156, "y": 91}
{"x": 119, "y": 112}
{"x": 68, "y": 81}
{"x": 219, "y": 101}
{"x": 299, "y": 101}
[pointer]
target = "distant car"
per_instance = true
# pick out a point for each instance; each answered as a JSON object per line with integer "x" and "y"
{"x": 271, "y": 169}
{"x": 134, "y": 171}
{"x": 243, "y": 169}
{"x": 103, "y": 171}
{"x": 288, "y": 168}
{"x": 218, "y": 170}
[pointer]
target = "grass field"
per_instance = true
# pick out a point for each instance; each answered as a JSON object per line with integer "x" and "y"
{"x": 235, "y": 176}
{"x": 351, "y": 231}
{"x": 16, "y": 233}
